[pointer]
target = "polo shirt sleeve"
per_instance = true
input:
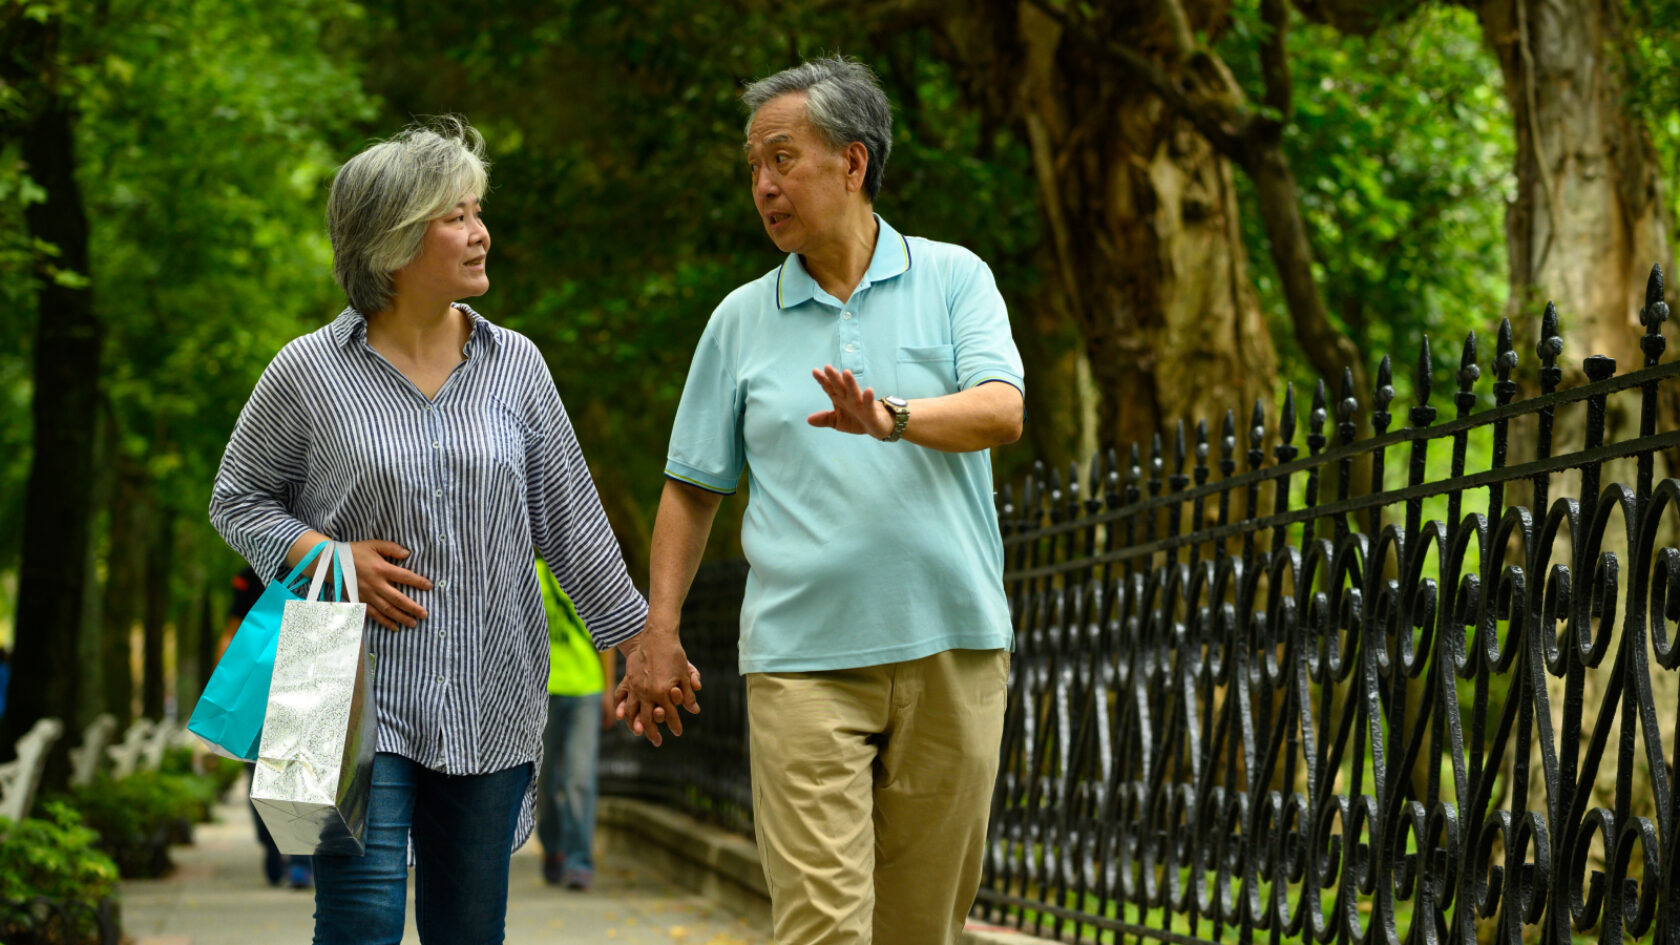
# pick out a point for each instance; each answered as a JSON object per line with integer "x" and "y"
{"x": 985, "y": 350}
{"x": 707, "y": 447}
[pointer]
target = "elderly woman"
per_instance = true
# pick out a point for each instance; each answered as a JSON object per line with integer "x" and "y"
{"x": 874, "y": 632}
{"x": 435, "y": 443}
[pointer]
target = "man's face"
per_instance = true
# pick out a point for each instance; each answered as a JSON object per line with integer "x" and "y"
{"x": 799, "y": 183}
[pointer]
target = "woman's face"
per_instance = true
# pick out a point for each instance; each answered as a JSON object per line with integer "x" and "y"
{"x": 452, "y": 256}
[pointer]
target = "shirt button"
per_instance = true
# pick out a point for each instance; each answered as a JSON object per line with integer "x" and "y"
{"x": 442, "y": 681}
{"x": 851, "y": 348}
{"x": 437, "y": 444}
{"x": 443, "y": 584}
{"x": 846, "y": 315}
{"x": 438, "y": 493}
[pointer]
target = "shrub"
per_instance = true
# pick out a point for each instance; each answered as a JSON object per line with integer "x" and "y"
{"x": 137, "y": 817}
{"x": 54, "y": 858}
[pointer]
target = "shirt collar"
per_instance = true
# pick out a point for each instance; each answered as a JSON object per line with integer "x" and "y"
{"x": 351, "y": 325}
{"x": 892, "y": 258}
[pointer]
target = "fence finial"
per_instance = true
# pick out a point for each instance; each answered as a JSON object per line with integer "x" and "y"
{"x": 1468, "y": 371}
{"x": 1549, "y": 348}
{"x": 1286, "y": 422}
{"x": 1652, "y": 316}
{"x": 1256, "y": 435}
{"x": 1315, "y": 419}
{"x": 1228, "y": 444}
{"x": 1550, "y": 345}
{"x": 1423, "y": 380}
{"x": 1201, "y": 452}
{"x": 1346, "y": 408}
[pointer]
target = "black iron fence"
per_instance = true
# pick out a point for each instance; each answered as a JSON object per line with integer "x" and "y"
{"x": 1416, "y": 687}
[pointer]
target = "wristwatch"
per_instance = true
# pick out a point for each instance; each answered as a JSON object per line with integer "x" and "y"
{"x": 900, "y": 409}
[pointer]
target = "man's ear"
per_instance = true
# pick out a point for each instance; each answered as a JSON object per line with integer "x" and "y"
{"x": 857, "y": 164}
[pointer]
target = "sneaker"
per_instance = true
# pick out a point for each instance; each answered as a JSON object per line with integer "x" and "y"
{"x": 553, "y": 865}
{"x": 299, "y": 876}
{"x": 578, "y": 880}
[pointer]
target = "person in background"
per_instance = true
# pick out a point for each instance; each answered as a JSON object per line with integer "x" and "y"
{"x": 247, "y": 590}
{"x": 579, "y": 708}
{"x": 5, "y": 677}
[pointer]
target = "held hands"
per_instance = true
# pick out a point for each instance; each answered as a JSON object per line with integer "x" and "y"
{"x": 378, "y": 580}
{"x": 657, "y": 679}
{"x": 854, "y": 410}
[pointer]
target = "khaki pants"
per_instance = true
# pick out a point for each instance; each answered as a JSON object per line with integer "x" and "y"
{"x": 871, "y": 792}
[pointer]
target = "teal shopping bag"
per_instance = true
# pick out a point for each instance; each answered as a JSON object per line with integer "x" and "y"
{"x": 229, "y": 715}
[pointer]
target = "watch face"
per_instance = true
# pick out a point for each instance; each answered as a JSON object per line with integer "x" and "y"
{"x": 896, "y": 402}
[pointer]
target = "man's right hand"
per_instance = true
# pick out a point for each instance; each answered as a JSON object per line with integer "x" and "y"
{"x": 657, "y": 679}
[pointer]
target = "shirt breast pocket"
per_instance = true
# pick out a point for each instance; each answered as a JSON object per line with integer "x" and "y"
{"x": 505, "y": 436}
{"x": 926, "y": 371}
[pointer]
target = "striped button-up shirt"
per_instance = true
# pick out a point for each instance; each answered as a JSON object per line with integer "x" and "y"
{"x": 336, "y": 439}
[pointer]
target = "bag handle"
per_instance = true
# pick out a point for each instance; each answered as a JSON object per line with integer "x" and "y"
{"x": 343, "y": 567}
{"x": 307, "y": 558}
{"x": 347, "y": 567}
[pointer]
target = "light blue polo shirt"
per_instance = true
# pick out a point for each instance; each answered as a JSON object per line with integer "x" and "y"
{"x": 861, "y": 552}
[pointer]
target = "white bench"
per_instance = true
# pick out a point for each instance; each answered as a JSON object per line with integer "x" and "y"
{"x": 125, "y": 757}
{"x": 164, "y": 734}
{"x": 20, "y": 778}
{"x": 86, "y": 758}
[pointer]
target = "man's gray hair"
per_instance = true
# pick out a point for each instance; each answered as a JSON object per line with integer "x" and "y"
{"x": 843, "y": 100}
{"x": 384, "y": 198}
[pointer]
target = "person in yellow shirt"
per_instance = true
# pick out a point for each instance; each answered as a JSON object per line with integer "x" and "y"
{"x": 580, "y": 683}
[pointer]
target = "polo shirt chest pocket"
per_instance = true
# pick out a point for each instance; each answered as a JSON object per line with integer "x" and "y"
{"x": 925, "y": 371}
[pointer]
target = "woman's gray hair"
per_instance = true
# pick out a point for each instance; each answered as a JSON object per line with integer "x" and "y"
{"x": 384, "y": 198}
{"x": 843, "y": 100}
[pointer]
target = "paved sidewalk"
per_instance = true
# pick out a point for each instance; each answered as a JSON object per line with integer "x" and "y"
{"x": 217, "y": 896}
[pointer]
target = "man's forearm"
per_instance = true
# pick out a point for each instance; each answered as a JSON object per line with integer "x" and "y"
{"x": 680, "y": 529}
{"x": 975, "y": 419}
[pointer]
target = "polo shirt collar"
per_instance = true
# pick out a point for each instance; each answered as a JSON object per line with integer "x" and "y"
{"x": 351, "y": 325}
{"x": 892, "y": 258}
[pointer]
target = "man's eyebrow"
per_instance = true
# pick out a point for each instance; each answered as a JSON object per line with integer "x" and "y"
{"x": 747, "y": 146}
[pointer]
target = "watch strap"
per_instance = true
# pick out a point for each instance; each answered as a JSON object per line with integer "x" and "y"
{"x": 901, "y": 419}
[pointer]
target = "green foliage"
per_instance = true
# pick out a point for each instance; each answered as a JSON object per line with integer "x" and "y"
{"x": 206, "y": 133}
{"x": 1650, "y": 60}
{"x": 1402, "y": 148}
{"x": 137, "y": 817}
{"x": 212, "y": 775}
{"x": 53, "y": 857}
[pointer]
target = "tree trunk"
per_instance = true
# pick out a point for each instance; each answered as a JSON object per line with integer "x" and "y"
{"x": 1588, "y": 221}
{"x": 124, "y": 588}
{"x": 159, "y": 560}
{"x": 1141, "y": 214}
{"x": 68, "y": 339}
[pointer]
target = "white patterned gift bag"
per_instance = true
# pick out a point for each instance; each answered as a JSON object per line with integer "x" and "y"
{"x": 315, "y": 762}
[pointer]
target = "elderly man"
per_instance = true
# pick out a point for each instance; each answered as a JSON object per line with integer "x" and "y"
{"x": 874, "y": 632}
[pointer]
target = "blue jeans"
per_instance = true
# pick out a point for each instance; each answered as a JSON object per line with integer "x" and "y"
{"x": 463, "y": 828}
{"x": 566, "y": 787}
